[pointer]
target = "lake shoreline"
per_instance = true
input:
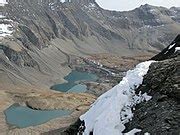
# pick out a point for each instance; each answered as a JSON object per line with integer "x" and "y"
{"x": 74, "y": 79}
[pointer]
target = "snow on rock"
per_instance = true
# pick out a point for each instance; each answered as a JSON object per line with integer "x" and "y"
{"x": 113, "y": 109}
{"x": 177, "y": 49}
{"x": 5, "y": 30}
{"x": 2, "y": 16}
{"x": 171, "y": 46}
{"x": 146, "y": 133}
{"x": 91, "y": 7}
{"x": 133, "y": 132}
{"x": 3, "y": 2}
{"x": 6, "y": 25}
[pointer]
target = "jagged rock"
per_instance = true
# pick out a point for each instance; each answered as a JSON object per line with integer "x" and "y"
{"x": 160, "y": 115}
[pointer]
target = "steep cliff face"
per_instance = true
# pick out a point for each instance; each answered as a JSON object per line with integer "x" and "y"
{"x": 46, "y": 33}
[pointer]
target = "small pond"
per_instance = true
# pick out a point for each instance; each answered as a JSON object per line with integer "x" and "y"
{"x": 73, "y": 78}
{"x": 22, "y": 117}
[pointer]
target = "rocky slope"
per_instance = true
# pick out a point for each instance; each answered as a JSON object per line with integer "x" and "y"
{"x": 160, "y": 115}
{"x": 47, "y": 33}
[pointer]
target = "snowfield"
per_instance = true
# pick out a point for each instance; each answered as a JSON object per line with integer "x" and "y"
{"x": 113, "y": 109}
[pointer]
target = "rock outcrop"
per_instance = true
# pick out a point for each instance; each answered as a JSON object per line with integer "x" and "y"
{"x": 160, "y": 115}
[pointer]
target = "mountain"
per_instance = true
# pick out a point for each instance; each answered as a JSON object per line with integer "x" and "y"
{"x": 39, "y": 38}
{"x": 145, "y": 101}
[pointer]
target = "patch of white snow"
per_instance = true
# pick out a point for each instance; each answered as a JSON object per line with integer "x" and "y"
{"x": 146, "y": 133}
{"x": 7, "y": 58}
{"x": 171, "y": 46}
{"x": 2, "y": 16}
{"x": 177, "y": 49}
{"x": 113, "y": 109}
{"x": 133, "y": 132}
{"x": 146, "y": 97}
{"x": 92, "y": 5}
{"x": 5, "y": 30}
{"x": 3, "y": 2}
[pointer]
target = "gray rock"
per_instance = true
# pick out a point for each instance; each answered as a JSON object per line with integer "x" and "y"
{"x": 161, "y": 114}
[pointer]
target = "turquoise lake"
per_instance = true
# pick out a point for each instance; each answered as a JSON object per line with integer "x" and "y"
{"x": 22, "y": 117}
{"x": 73, "y": 78}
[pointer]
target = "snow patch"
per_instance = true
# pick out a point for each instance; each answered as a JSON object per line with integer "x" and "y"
{"x": 91, "y": 7}
{"x": 52, "y": 6}
{"x": 113, "y": 109}
{"x": 6, "y": 25}
{"x": 146, "y": 97}
{"x": 3, "y": 2}
{"x": 133, "y": 132}
{"x": 146, "y": 133}
{"x": 153, "y": 11}
{"x": 177, "y": 49}
{"x": 7, "y": 58}
{"x": 171, "y": 46}
{"x": 2, "y": 16}
{"x": 5, "y": 30}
